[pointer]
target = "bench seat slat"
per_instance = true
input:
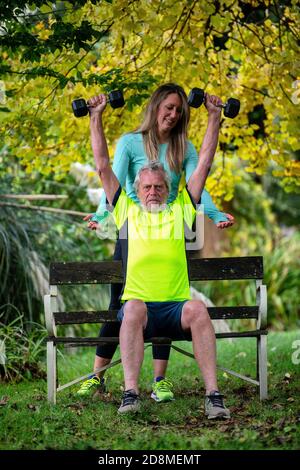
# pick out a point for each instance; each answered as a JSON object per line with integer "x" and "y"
{"x": 70, "y": 341}
{"x": 104, "y": 316}
{"x": 203, "y": 269}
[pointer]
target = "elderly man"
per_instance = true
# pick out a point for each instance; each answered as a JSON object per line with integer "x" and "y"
{"x": 156, "y": 292}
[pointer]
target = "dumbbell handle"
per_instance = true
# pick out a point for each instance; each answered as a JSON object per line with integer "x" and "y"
{"x": 107, "y": 101}
{"x": 222, "y": 105}
{"x": 231, "y": 107}
{"x": 115, "y": 98}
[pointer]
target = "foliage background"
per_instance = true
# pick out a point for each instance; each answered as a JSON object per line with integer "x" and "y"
{"x": 55, "y": 52}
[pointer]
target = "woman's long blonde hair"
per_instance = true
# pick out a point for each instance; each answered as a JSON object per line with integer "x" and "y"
{"x": 178, "y": 137}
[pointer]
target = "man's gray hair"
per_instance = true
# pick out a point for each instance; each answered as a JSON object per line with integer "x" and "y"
{"x": 152, "y": 166}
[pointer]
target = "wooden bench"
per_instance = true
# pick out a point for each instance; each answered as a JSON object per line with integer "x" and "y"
{"x": 106, "y": 272}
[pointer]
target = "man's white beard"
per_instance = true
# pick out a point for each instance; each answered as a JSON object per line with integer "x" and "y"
{"x": 155, "y": 207}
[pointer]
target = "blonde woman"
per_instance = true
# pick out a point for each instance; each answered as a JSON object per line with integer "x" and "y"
{"x": 161, "y": 137}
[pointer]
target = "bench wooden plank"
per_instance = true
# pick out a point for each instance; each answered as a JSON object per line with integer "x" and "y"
{"x": 77, "y": 318}
{"x": 209, "y": 269}
{"x": 107, "y": 316}
{"x": 203, "y": 269}
{"x": 103, "y": 272}
{"x": 80, "y": 341}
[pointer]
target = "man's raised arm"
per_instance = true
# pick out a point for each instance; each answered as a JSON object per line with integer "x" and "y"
{"x": 110, "y": 182}
{"x": 209, "y": 145}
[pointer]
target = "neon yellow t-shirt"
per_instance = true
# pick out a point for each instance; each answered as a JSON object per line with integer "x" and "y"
{"x": 156, "y": 268}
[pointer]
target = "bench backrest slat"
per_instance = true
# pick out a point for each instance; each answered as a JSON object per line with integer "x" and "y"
{"x": 103, "y": 272}
{"x": 203, "y": 269}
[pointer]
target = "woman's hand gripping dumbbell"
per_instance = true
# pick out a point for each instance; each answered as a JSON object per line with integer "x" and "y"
{"x": 231, "y": 107}
{"x": 81, "y": 107}
{"x": 97, "y": 104}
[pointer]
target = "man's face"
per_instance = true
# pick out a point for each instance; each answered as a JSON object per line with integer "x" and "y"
{"x": 152, "y": 191}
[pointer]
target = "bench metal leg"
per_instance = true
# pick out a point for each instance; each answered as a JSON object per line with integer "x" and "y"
{"x": 51, "y": 372}
{"x": 262, "y": 366}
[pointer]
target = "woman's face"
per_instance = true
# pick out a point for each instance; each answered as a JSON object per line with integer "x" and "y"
{"x": 168, "y": 114}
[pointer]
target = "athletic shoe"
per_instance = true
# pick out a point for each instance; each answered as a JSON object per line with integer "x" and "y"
{"x": 162, "y": 390}
{"x": 214, "y": 406}
{"x": 91, "y": 385}
{"x": 130, "y": 402}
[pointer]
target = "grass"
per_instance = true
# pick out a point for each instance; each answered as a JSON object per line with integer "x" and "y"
{"x": 29, "y": 422}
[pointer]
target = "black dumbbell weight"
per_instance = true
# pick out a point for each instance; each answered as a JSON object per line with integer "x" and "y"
{"x": 231, "y": 107}
{"x": 115, "y": 98}
{"x": 196, "y": 97}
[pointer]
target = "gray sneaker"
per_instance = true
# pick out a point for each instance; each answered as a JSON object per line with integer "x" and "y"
{"x": 130, "y": 402}
{"x": 214, "y": 406}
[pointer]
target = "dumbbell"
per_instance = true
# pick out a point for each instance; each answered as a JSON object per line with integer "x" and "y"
{"x": 231, "y": 107}
{"x": 81, "y": 108}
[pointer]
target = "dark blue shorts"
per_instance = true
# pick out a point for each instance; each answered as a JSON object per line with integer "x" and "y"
{"x": 164, "y": 319}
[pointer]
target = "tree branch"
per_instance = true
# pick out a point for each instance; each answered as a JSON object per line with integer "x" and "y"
{"x": 42, "y": 208}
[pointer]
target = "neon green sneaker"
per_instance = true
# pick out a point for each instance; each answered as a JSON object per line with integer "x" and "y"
{"x": 90, "y": 386}
{"x": 162, "y": 390}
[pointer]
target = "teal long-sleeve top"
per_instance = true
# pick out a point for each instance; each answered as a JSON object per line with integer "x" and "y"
{"x": 130, "y": 156}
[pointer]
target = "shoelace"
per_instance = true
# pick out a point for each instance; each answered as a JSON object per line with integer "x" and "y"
{"x": 129, "y": 397}
{"x": 88, "y": 383}
{"x": 216, "y": 400}
{"x": 164, "y": 385}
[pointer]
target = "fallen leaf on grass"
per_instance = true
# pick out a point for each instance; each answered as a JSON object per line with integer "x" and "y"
{"x": 287, "y": 378}
{"x": 258, "y": 425}
{"x": 4, "y": 400}
{"x": 33, "y": 407}
{"x": 291, "y": 399}
{"x": 280, "y": 423}
{"x": 277, "y": 406}
{"x": 224, "y": 428}
{"x": 76, "y": 406}
{"x": 102, "y": 396}
{"x": 240, "y": 411}
{"x": 192, "y": 421}
{"x": 39, "y": 397}
{"x": 153, "y": 420}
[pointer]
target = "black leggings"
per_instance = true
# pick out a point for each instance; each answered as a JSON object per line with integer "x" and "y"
{"x": 112, "y": 329}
